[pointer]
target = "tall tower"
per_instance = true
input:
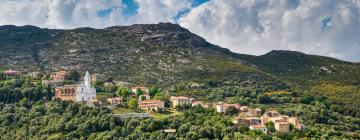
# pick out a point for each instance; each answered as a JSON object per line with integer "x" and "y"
{"x": 87, "y": 80}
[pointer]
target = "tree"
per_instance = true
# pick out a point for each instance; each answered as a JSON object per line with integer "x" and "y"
{"x": 265, "y": 99}
{"x": 139, "y": 92}
{"x": 232, "y": 111}
{"x": 270, "y": 126}
{"x": 154, "y": 90}
{"x": 183, "y": 107}
{"x": 133, "y": 103}
{"x": 307, "y": 99}
{"x": 73, "y": 75}
{"x": 123, "y": 92}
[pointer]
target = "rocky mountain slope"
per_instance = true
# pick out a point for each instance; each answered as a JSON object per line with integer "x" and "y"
{"x": 163, "y": 54}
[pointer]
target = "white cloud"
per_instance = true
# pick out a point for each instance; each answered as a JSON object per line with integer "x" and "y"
{"x": 244, "y": 26}
{"x": 56, "y": 13}
{"x": 259, "y": 26}
{"x": 81, "y": 13}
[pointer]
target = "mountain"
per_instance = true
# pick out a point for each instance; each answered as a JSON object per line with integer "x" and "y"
{"x": 162, "y": 54}
{"x": 300, "y": 68}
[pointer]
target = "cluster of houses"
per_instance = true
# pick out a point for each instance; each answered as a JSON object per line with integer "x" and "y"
{"x": 255, "y": 121}
{"x": 85, "y": 93}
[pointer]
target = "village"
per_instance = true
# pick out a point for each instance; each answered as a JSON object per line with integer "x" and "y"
{"x": 141, "y": 99}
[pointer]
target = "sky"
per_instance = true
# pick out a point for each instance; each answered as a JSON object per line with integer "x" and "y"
{"x": 323, "y": 27}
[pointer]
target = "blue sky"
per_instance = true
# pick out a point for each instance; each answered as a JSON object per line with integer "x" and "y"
{"x": 322, "y": 27}
{"x": 131, "y": 7}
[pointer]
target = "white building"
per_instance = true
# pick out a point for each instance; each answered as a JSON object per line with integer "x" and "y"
{"x": 221, "y": 108}
{"x": 180, "y": 100}
{"x": 85, "y": 92}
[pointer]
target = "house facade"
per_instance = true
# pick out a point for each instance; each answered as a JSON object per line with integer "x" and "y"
{"x": 151, "y": 105}
{"x": 221, "y": 108}
{"x": 180, "y": 100}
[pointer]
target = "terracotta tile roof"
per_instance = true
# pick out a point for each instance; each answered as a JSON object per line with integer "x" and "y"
{"x": 10, "y": 71}
{"x": 150, "y": 101}
{"x": 179, "y": 97}
{"x": 258, "y": 126}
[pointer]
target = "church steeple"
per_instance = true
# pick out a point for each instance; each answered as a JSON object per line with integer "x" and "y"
{"x": 87, "y": 80}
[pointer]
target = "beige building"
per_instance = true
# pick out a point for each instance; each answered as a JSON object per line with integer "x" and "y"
{"x": 261, "y": 128}
{"x": 47, "y": 83}
{"x": 255, "y": 112}
{"x": 248, "y": 121}
{"x": 282, "y": 127}
{"x": 296, "y": 123}
{"x": 221, "y": 108}
{"x": 151, "y": 105}
{"x": 114, "y": 100}
{"x": 195, "y": 103}
{"x": 34, "y": 74}
{"x": 271, "y": 114}
{"x": 145, "y": 90}
{"x": 66, "y": 93}
{"x": 180, "y": 100}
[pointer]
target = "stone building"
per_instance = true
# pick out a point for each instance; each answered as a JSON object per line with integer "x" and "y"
{"x": 221, "y": 108}
{"x": 261, "y": 128}
{"x": 151, "y": 105}
{"x": 66, "y": 93}
{"x": 282, "y": 127}
{"x": 9, "y": 73}
{"x": 142, "y": 88}
{"x": 180, "y": 100}
{"x": 114, "y": 100}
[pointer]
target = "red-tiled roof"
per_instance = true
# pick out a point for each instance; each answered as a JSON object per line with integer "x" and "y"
{"x": 150, "y": 101}
{"x": 258, "y": 126}
{"x": 10, "y": 71}
{"x": 178, "y": 97}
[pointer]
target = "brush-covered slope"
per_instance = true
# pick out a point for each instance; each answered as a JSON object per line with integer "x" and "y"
{"x": 300, "y": 68}
{"x": 163, "y": 54}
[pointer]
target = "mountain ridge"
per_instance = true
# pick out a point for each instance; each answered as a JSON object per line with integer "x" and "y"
{"x": 163, "y": 53}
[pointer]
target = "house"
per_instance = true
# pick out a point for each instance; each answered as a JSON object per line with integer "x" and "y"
{"x": 59, "y": 76}
{"x": 34, "y": 74}
{"x": 221, "y": 108}
{"x": 114, "y": 101}
{"x": 271, "y": 114}
{"x": 244, "y": 109}
{"x": 261, "y": 128}
{"x": 94, "y": 103}
{"x": 93, "y": 78}
{"x": 296, "y": 123}
{"x": 151, "y": 105}
{"x": 11, "y": 73}
{"x": 195, "y": 103}
{"x": 248, "y": 121}
{"x": 169, "y": 130}
{"x": 180, "y": 100}
{"x": 142, "y": 88}
{"x": 66, "y": 93}
{"x": 282, "y": 127}
{"x": 255, "y": 112}
{"x": 54, "y": 83}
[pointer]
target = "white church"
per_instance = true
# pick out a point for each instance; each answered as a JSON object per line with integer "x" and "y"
{"x": 85, "y": 92}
